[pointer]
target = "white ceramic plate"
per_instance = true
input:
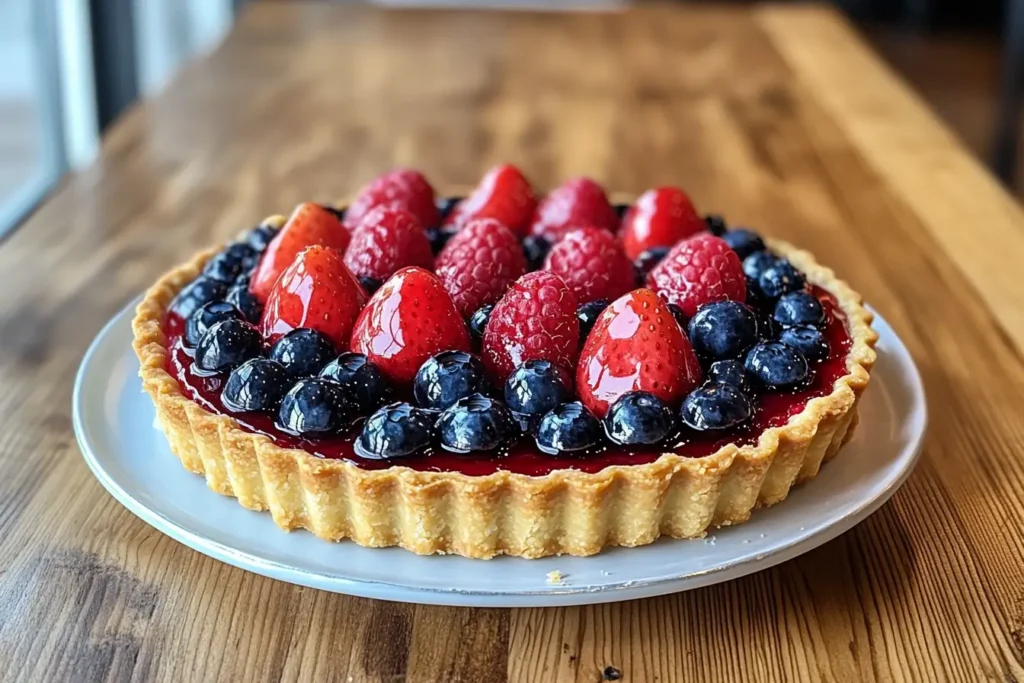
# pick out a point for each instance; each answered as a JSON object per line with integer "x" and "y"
{"x": 114, "y": 422}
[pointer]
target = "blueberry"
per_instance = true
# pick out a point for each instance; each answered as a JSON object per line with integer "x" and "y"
{"x": 639, "y": 418}
{"x": 620, "y": 209}
{"x": 716, "y": 224}
{"x": 715, "y": 406}
{"x": 242, "y": 280}
{"x": 780, "y": 278}
{"x": 535, "y": 249}
{"x": 230, "y": 263}
{"x": 395, "y": 431}
{"x": 733, "y": 373}
{"x": 568, "y": 427}
{"x": 246, "y": 302}
{"x": 776, "y": 365}
{"x": 678, "y": 314}
{"x": 478, "y": 322}
{"x": 799, "y": 308}
{"x": 439, "y": 237}
{"x": 744, "y": 242}
{"x": 256, "y": 384}
{"x": 243, "y": 252}
{"x": 587, "y": 314}
{"x": 206, "y": 317}
{"x": 363, "y": 383}
{"x": 370, "y": 284}
{"x": 476, "y": 423}
{"x": 448, "y": 377}
{"x": 767, "y": 328}
{"x": 808, "y": 340}
{"x": 259, "y": 237}
{"x": 227, "y": 344}
{"x": 757, "y": 263}
{"x": 303, "y": 352}
{"x": 754, "y": 297}
{"x": 313, "y": 406}
{"x": 200, "y": 291}
{"x": 725, "y": 329}
{"x": 535, "y": 387}
{"x": 445, "y": 205}
{"x": 646, "y": 261}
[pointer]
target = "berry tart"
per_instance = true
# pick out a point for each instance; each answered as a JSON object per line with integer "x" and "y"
{"x": 502, "y": 373}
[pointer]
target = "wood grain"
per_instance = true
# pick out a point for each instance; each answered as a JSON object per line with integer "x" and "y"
{"x": 778, "y": 117}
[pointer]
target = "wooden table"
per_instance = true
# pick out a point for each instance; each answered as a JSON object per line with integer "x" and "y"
{"x": 778, "y": 117}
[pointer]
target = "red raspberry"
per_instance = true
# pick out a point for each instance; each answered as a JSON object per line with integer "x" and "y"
{"x": 698, "y": 271}
{"x": 592, "y": 263}
{"x": 535, "y": 320}
{"x": 479, "y": 264}
{"x": 576, "y": 203}
{"x": 503, "y": 194}
{"x": 402, "y": 188}
{"x": 388, "y": 239}
{"x": 660, "y": 218}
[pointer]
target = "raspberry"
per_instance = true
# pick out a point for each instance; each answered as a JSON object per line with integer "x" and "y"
{"x": 592, "y": 263}
{"x": 698, "y": 271}
{"x": 402, "y": 188}
{"x": 388, "y": 239}
{"x": 503, "y": 194}
{"x": 479, "y": 264}
{"x": 576, "y": 203}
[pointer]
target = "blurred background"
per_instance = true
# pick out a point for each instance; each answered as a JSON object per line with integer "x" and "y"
{"x": 70, "y": 68}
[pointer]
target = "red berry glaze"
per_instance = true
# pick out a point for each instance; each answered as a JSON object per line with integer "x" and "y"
{"x": 310, "y": 224}
{"x": 660, "y": 218}
{"x": 479, "y": 263}
{"x": 592, "y": 263}
{"x": 698, "y": 271}
{"x": 316, "y": 291}
{"x": 574, "y": 204}
{"x": 387, "y": 240}
{"x": 535, "y": 320}
{"x": 402, "y": 188}
{"x": 408, "y": 320}
{"x": 636, "y": 345}
{"x": 503, "y": 194}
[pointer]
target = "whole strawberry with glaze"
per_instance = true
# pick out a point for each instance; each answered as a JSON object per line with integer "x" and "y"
{"x": 387, "y": 240}
{"x": 636, "y": 345}
{"x": 698, "y": 271}
{"x": 574, "y": 204}
{"x": 591, "y": 261}
{"x": 315, "y": 291}
{"x": 479, "y": 263}
{"x": 503, "y": 194}
{"x": 408, "y": 320}
{"x": 659, "y": 218}
{"x": 401, "y": 188}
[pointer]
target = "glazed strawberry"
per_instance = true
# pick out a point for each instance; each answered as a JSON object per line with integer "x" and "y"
{"x": 315, "y": 291}
{"x": 505, "y": 195}
{"x": 636, "y": 345}
{"x": 387, "y": 240}
{"x": 660, "y": 218}
{"x": 698, "y": 271}
{"x": 407, "y": 321}
{"x": 402, "y": 188}
{"x": 310, "y": 224}
{"x": 592, "y": 263}
{"x": 576, "y": 203}
{"x": 479, "y": 263}
{"x": 535, "y": 320}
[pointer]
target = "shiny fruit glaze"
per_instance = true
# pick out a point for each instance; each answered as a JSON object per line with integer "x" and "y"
{"x": 773, "y": 410}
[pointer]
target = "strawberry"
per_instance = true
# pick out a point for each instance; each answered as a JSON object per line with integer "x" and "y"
{"x": 402, "y": 188}
{"x": 479, "y": 264}
{"x": 636, "y": 345}
{"x": 310, "y": 224}
{"x": 660, "y": 218}
{"x": 698, "y": 271}
{"x": 592, "y": 263}
{"x": 576, "y": 203}
{"x": 316, "y": 291}
{"x": 503, "y": 194}
{"x": 535, "y": 320}
{"x": 388, "y": 239}
{"x": 407, "y": 321}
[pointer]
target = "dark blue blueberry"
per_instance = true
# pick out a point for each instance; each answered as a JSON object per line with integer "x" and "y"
{"x": 439, "y": 237}
{"x": 227, "y": 344}
{"x": 478, "y": 322}
{"x": 744, "y": 242}
{"x": 808, "y": 340}
{"x": 206, "y": 317}
{"x": 639, "y": 418}
{"x": 256, "y": 384}
{"x": 476, "y": 423}
{"x": 447, "y": 377}
{"x": 314, "y": 406}
{"x": 231, "y": 262}
{"x": 716, "y": 224}
{"x": 200, "y": 291}
{"x": 776, "y": 365}
{"x": 780, "y": 278}
{"x": 754, "y": 297}
{"x": 620, "y": 209}
{"x": 445, "y": 205}
{"x": 527, "y": 423}
{"x": 678, "y": 314}
{"x": 303, "y": 352}
{"x": 362, "y": 381}
{"x": 535, "y": 387}
{"x": 246, "y": 302}
{"x": 568, "y": 427}
{"x": 370, "y": 284}
{"x": 260, "y": 236}
{"x": 767, "y": 328}
{"x": 395, "y": 431}
{"x": 646, "y": 261}
{"x": 757, "y": 263}
{"x": 243, "y": 279}
{"x": 535, "y": 249}
{"x": 244, "y": 252}
{"x": 731, "y": 372}
{"x": 588, "y": 314}
{"x": 725, "y": 329}
{"x": 799, "y": 308}
{"x": 714, "y": 407}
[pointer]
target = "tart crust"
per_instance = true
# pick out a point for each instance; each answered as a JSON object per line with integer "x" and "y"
{"x": 562, "y": 512}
